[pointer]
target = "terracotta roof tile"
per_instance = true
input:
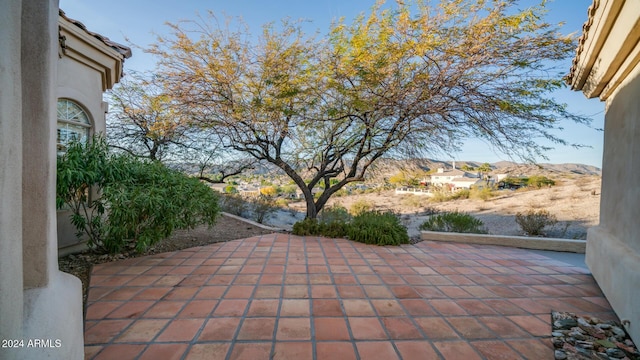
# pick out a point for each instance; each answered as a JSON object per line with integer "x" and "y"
{"x": 123, "y": 50}
{"x": 581, "y": 41}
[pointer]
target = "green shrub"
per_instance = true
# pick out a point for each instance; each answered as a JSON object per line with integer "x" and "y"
{"x": 454, "y": 222}
{"x": 360, "y": 207}
{"x": 377, "y": 228}
{"x": 334, "y": 213}
{"x": 533, "y": 222}
{"x": 230, "y": 189}
{"x": 334, "y": 229}
{"x": 369, "y": 227}
{"x": 153, "y": 203}
{"x": 306, "y": 227}
{"x": 140, "y": 202}
{"x": 539, "y": 181}
{"x": 511, "y": 182}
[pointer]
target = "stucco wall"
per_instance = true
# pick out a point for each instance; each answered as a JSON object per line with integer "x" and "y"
{"x": 613, "y": 247}
{"x": 83, "y": 85}
{"x": 37, "y": 301}
{"x": 10, "y": 173}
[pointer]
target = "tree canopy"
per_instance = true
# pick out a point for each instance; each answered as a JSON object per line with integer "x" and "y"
{"x": 403, "y": 79}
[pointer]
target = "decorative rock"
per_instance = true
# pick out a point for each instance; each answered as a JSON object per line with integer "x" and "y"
{"x": 619, "y": 332}
{"x": 584, "y": 344}
{"x": 589, "y": 338}
{"x": 616, "y": 353}
{"x": 577, "y": 335}
{"x": 557, "y": 343}
{"x": 583, "y": 323}
{"x": 560, "y": 355}
{"x": 565, "y": 324}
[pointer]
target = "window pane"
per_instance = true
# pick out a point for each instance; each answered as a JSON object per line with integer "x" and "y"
{"x": 73, "y": 124}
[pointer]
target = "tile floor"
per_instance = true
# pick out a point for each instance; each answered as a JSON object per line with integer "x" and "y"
{"x": 281, "y": 296}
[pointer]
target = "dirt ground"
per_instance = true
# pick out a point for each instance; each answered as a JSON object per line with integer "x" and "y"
{"x": 574, "y": 200}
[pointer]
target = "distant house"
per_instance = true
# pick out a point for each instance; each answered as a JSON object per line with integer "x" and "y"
{"x": 455, "y": 179}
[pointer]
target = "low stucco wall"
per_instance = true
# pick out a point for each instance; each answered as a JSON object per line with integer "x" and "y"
{"x": 553, "y": 244}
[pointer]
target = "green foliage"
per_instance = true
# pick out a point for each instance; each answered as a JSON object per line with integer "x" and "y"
{"x": 454, "y": 222}
{"x": 539, "y": 181}
{"x": 306, "y": 227}
{"x": 511, "y": 182}
{"x": 360, "y": 207}
{"x": 230, "y": 189}
{"x": 152, "y": 203}
{"x": 532, "y": 222}
{"x": 140, "y": 202}
{"x": 484, "y": 168}
{"x": 379, "y": 228}
{"x": 369, "y": 227}
{"x": 289, "y": 98}
{"x": 334, "y": 213}
{"x": 334, "y": 229}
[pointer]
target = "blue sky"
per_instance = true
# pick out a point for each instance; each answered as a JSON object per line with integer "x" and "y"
{"x": 136, "y": 21}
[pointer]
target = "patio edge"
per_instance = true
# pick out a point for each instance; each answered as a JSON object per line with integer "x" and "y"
{"x": 536, "y": 243}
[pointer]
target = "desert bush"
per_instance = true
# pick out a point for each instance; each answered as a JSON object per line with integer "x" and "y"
{"x": 281, "y": 202}
{"x": 234, "y": 204}
{"x": 454, "y": 222}
{"x": 539, "y": 181}
{"x": 460, "y": 194}
{"x": 482, "y": 193}
{"x": 372, "y": 227}
{"x": 230, "y": 189}
{"x": 532, "y": 222}
{"x": 440, "y": 196}
{"x": 414, "y": 201}
{"x": 140, "y": 202}
{"x": 360, "y": 207}
{"x": 510, "y": 182}
{"x": 262, "y": 208}
{"x": 269, "y": 191}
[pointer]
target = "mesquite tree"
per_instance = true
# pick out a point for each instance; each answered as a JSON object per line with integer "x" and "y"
{"x": 402, "y": 79}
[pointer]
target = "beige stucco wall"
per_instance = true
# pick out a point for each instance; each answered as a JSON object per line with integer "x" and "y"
{"x": 83, "y": 85}
{"x": 11, "y": 296}
{"x": 613, "y": 247}
{"x": 37, "y": 301}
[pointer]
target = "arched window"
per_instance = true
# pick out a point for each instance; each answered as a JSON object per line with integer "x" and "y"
{"x": 73, "y": 124}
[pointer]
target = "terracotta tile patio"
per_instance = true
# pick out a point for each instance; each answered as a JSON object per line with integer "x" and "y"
{"x": 286, "y": 297}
